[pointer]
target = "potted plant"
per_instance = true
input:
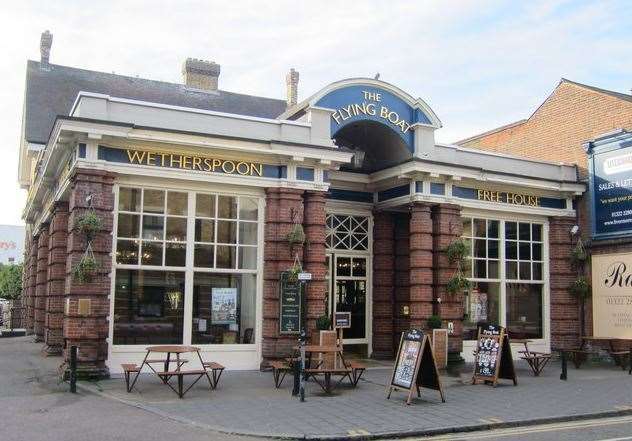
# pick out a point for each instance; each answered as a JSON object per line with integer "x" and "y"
{"x": 439, "y": 340}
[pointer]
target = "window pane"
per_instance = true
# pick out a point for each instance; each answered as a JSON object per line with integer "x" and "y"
{"x": 537, "y": 271}
{"x": 480, "y": 228}
{"x": 227, "y": 207}
{"x": 248, "y": 208}
{"x": 177, "y": 229}
{"x": 127, "y": 252}
{"x": 247, "y": 257}
{"x": 343, "y": 266}
{"x": 247, "y": 233}
{"x": 204, "y": 230}
{"x": 479, "y": 248}
{"x": 467, "y": 227}
{"x": 224, "y": 308}
{"x": 177, "y": 203}
{"x": 204, "y": 256}
{"x": 154, "y": 201}
{"x": 525, "y": 271}
{"x": 511, "y": 230}
{"x": 151, "y": 253}
{"x": 480, "y": 270}
{"x": 175, "y": 254}
{"x": 129, "y": 199}
{"x": 525, "y": 250}
{"x": 153, "y": 227}
{"x": 511, "y": 270}
{"x": 481, "y": 308}
{"x": 148, "y": 307}
{"x": 536, "y": 231}
{"x": 128, "y": 225}
{"x": 524, "y": 310}
{"x": 226, "y": 232}
{"x": 492, "y": 249}
{"x": 524, "y": 231}
{"x": 467, "y": 268}
{"x": 205, "y": 205}
{"x": 537, "y": 251}
{"x": 511, "y": 250}
{"x": 225, "y": 256}
{"x": 492, "y": 269}
{"x": 492, "y": 228}
{"x": 359, "y": 267}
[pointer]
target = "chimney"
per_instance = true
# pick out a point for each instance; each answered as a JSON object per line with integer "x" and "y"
{"x": 200, "y": 74}
{"x": 46, "y": 41}
{"x": 291, "y": 79}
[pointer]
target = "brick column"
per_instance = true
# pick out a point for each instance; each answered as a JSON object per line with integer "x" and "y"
{"x": 41, "y": 280}
{"x": 32, "y": 276}
{"x": 401, "y": 251}
{"x": 280, "y": 203}
{"x": 89, "y": 330}
{"x": 314, "y": 256}
{"x": 57, "y": 253}
{"x": 421, "y": 279}
{"x": 564, "y": 307}
{"x": 447, "y": 227}
{"x": 383, "y": 284}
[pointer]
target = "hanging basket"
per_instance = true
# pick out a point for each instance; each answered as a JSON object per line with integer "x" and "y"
{"x": 457, "y": 284}
{"x": 296, "y": 236}
{"x": 458, "y": 251}
{"x": 579, "y": 255}
{"x": 580, "y": 288}
{"x": 89, "y": 223}
{"x": 86, "y": 268}
{"x": 294, "y": 270}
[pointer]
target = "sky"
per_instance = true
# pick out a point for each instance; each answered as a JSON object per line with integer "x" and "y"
{"x": 478, "y": 64}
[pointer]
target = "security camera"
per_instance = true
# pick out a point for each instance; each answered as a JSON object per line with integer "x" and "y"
{"x": 574, "y": 230}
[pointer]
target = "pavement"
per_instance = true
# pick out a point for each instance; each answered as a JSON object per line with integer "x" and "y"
{"x": 247, "y": 404}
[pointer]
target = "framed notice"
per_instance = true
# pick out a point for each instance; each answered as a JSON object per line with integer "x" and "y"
{"x": 224, "y": 306}
{"x": 342, "y": 319}
{"x": 612, "y": 295}
{"x": 493, "y": 356}
{"x": 290, "y": 305}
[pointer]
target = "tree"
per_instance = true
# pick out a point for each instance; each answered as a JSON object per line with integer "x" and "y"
{"x": 10, "y": 281}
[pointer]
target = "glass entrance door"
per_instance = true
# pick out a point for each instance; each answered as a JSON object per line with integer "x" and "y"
{"x": 347, "y": 281}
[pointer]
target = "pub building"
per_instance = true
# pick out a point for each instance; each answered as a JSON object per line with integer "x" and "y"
{"x": 197, "y": 190}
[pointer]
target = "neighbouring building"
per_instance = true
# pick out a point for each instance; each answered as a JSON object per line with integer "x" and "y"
{"x": 589, "y": 127}
{"x": 11, "y": 244}
{"x": 200, "y": 192}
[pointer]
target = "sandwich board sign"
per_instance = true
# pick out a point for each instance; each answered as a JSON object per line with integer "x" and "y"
{"x": 415, "y": 366}
{"x": 493, "y": 357}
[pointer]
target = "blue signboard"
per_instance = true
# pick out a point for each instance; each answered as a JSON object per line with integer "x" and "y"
{"x": 361, "y": 103}
{"x": 610, "y": 164}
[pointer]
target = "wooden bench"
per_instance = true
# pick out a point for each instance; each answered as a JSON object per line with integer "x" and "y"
{"x": 620, "y": 358}
{"x": 536, "y": 360}
{"x": 180, "y": 376}
{"x": 357, "y": 369}
{"x": 128, "y": 369}
{"x": 280, "y": 369}
{"x": 216, "y": 370}
{"x": 328, "y": 372}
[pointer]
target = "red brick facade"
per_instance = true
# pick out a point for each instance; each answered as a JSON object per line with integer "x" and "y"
{"x": 57, "y": 253}
{"x": 383, "y": 283}
{"x": 421, "y": 265}
{"x": 41, "y": 280}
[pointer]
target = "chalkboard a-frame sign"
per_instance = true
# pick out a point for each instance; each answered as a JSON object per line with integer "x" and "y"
{"x": 290, "y": 305}
{"x": 493, "y": 356}
{"x": 415, "y": 366}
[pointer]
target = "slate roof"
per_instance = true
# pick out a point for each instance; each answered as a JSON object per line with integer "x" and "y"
{"x": 52, "y": 92}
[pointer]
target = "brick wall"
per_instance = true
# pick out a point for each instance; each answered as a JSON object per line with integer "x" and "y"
{"x": 421, "y": 265}
{"x": 401, "y": 292}
{"x": 89, "y": 331}
{"x": 32, "y": 276}
{"x": 41, "y": 280}
{"x": 383, "y": 283}
{"x": 54, "y": 310}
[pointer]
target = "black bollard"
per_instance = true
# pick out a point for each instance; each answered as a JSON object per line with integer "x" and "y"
{"x": 73, "y": 369}
{"x": 630, "y": 362}
{"x": 303, "y": 340}
{"x": 297, "y": 377}
{"x": 563, "y": 375}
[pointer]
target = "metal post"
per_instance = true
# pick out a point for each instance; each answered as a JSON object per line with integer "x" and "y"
{"x": 303, "y": 338}
{"x": 73, "y": 369}
{"x": 563, "y": 375}
{"x": 630, "y": 362}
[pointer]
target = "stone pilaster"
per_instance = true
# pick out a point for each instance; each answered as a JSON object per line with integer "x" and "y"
{"x": 88, "y": 329}
{"x": 41, "y": 278}
{"x": 383, "y": 284}
{"x": 421, "y": 277}
{"x": 284, "y": 207}
{"x": 314, "y": 256}
{"x": 447, "y": 227}
{"x": 57, "y": 253}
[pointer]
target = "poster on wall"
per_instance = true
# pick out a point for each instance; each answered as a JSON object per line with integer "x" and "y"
{"x": 612, "y": 295}
{"x": 478, "y": 306}
{"x": 224, "y": 306}
{"x": 611, "y": 190}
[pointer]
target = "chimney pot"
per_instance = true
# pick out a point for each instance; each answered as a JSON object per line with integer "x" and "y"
{"x": 291, "y": 80}
{"x": 46, "y": 42}
{"x": 200, "y": 74}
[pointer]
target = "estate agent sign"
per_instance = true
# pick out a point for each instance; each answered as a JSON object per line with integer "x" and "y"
{"x": 612, "y": 295}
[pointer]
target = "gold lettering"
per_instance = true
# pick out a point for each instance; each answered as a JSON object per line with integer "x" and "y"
{"x": 216, "y": 163}
{"x": 162, "y": 159}
{"x": 186, "y": 162}
{"x": 196, "y": 162}
{"x": 208, "y": 165}
{"x": 256, "y": 169}
{"x": 479, "y": 193}
{"x": 228, "y": 171}
{"x": 173, "y": 161}
{"x": 135, "y": 156}
{"x": 511, "y": 198}
{"x": 151, "y": 158}
{"x": 242, "y": 168}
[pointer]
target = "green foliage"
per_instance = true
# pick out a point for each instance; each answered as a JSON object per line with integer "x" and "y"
{"x": 457, "y": 284}
{"x": 323, "y": 323}
{"x": 10, "y": 281}
{"x": 293, "y": 272}
{"x": 85, "y": 269}
{"x": 579, "y": 256}
{"x": 458, "y": 251}
{"x": 89, "y": 223}
{"x": 580, "y": 288}
{"x": 434, "y": 322}
{"x": 296, "y": 235}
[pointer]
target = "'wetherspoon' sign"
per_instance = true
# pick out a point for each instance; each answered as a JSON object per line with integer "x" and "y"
{"x": 371, "y": 105}
{"x": 194, "y": 162}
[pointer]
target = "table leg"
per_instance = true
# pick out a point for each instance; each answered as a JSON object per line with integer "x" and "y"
{"x": 139, "y": 371}
{"x": 167, "y": 362}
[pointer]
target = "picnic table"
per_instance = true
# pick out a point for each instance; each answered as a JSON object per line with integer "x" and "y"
{"x": 168, "y": 355}
{"x": 537, "y": 360}
{"x": 580, "y": 355}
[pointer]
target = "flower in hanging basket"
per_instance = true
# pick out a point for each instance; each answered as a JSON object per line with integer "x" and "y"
{"x": 85, "y": 269}
{"x": 89, "y": 223}
{"x": 580, "y": 288}
{"x": 457, "y": 251}
{"x": 323, "y": 323}
{"x": 458, "y": 283}
{"x": 296, "y": 235}
{"x": 293, "y": 272}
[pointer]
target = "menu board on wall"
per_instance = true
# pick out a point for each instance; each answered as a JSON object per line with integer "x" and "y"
{"x": 415, "y": 365}
{"x": 493, "y": 356}
{"x": 290, "y": 305}
{"x": 612, "y": 295}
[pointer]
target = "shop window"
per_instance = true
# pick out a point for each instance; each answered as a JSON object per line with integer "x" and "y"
{"x": 524, "y": 310}
{"x": 523, "y": 251}
{"x": 347, "y": 232}
{"x": 224, "y": 307}
{"x": 148, "y": 307}
{"x": 481, "y": 307}
{"x": 483, "y": 237}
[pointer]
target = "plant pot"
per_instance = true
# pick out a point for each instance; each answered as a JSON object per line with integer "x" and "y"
{"x": 440, "y": 347}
